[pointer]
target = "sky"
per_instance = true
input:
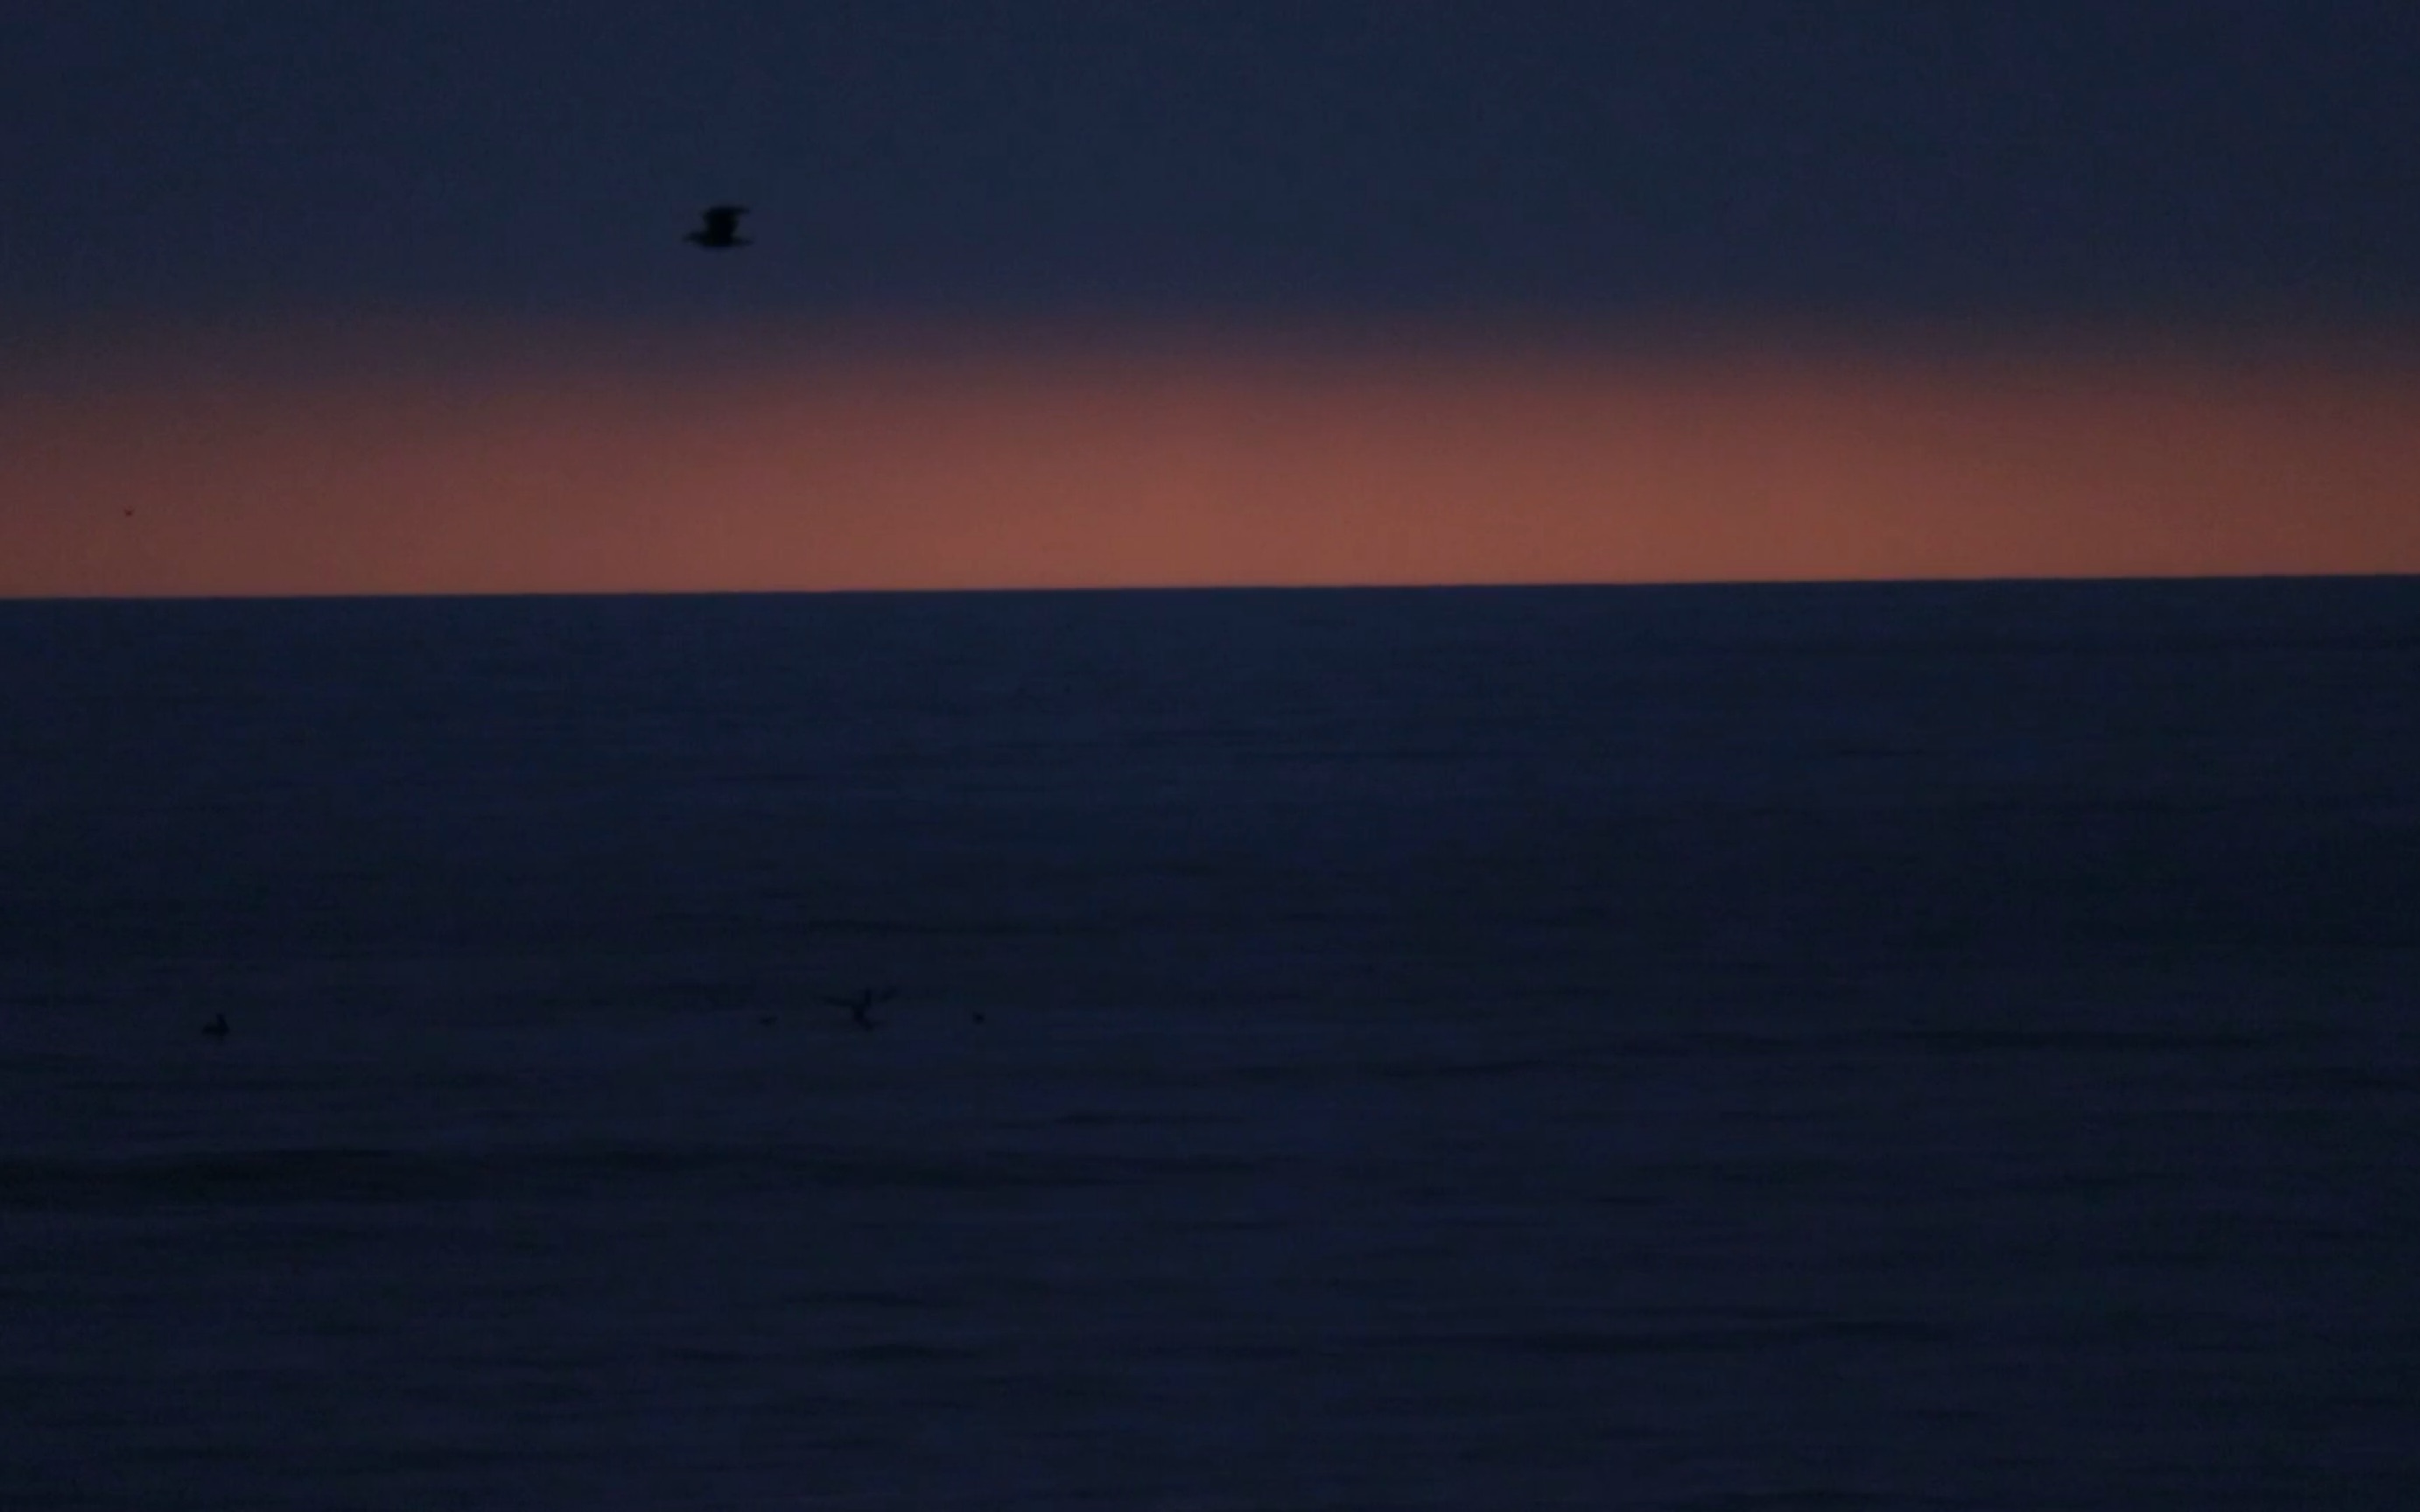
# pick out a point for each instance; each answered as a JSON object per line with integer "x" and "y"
{"x": 392, "y": 298}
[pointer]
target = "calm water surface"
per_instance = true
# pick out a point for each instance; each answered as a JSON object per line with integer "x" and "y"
{"x": 1889, "y": 1047}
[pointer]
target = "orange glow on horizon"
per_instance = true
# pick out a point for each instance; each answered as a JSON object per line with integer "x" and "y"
{"x": 380, "y": 466}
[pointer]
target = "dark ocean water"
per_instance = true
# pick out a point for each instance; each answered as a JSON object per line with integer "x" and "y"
{"x": 1717, "y": 1049}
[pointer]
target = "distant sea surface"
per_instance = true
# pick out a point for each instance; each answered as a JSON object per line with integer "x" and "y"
{"x": 1710, "y": 1049}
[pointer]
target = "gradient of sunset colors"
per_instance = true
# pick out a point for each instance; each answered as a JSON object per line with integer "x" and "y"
{"x": 718, "y": 459}
{"x": 303, "y": 299}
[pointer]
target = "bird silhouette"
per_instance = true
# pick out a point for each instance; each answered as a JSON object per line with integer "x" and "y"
{"x": 860, "y": 1005}
{"x": 217, "y": 1028}
{"x": 720, "y": 231}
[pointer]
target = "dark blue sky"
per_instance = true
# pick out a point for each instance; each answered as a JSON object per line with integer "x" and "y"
{"x": 2080, "y": 157}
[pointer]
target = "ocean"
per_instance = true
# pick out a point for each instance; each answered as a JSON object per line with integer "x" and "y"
{"x": 1725, "y": 1049}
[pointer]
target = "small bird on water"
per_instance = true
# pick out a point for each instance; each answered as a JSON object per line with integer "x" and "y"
{"x": 860, "y": 1005}
{"x": 720, "y": 231}
{"x": 217, "y": 1028}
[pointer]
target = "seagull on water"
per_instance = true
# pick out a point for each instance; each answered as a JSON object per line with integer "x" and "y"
{"x": 861, "y": 1005}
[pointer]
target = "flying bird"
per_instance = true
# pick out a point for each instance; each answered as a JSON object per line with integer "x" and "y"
{"x": 721, "y": 232}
